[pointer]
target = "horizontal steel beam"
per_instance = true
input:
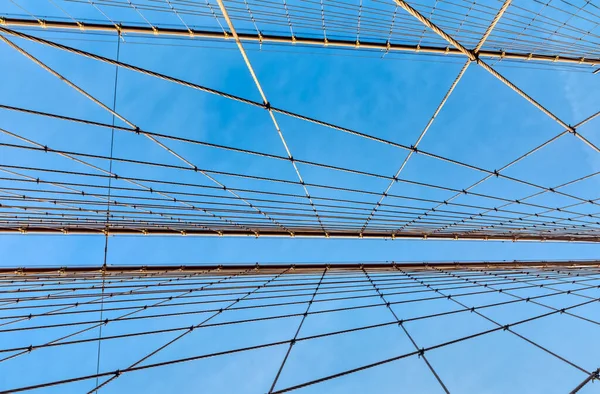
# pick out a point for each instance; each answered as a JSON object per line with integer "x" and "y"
{"x": 297, "y": 268}
{"x": 296, "y": 234}
{"x": 329, "y": 43}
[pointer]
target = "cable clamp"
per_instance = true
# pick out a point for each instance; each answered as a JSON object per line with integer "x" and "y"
{"x": 155, "y": 30}
{"x": 81, "y": 26}
{"x": 357, "y": 44}
{"x": 191, "y": 33}
{"x": 42, "y": 23}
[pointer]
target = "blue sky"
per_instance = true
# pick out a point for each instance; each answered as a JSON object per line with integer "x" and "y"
{"x": 483, "y": 123}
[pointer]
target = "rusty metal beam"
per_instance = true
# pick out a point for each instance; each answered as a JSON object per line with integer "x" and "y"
{"x": 282, "y": 39}
{"x": 298, "y": 234}
{"x": 298, "y": 268}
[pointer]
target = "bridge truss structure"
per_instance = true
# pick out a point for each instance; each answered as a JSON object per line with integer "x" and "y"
{"x": 302, "y": 326}
{"x": 64, "y": 187}
{"x": 154, "y": 117}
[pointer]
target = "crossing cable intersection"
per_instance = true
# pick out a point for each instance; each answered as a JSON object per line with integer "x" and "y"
{"x": 259, "y": 285}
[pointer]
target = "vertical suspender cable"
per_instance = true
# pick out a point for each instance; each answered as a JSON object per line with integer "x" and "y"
{"x": 112, "y": 145}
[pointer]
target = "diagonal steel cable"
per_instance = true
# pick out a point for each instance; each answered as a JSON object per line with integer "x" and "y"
{"x": 293, "y": 341}
{"x": 474, "y": 57}
{"x": 272, "y": 109}
{"x": 87, "y": 164}
{"x": 191, "y": 329}
{"x": 537, "y": 302}
{"x": 595, "y": 375}
{"x": 439, "y": 107}
{"x": 267, "y": 105}
{"x": 401, "y": 325}
{"x": 119, "y": 318}
{"x": 169, "y": 362}
{"x": 133, "y": 126}
{"x": 511, "y": 163}
{"x": 310, "y": 163}
{"x": 543, "y": 348}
